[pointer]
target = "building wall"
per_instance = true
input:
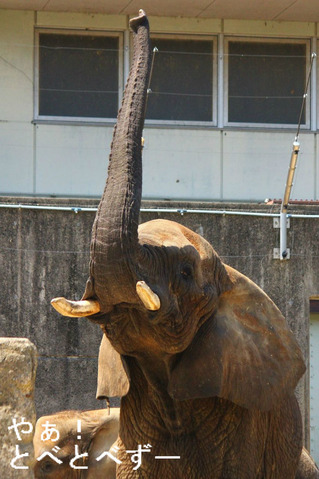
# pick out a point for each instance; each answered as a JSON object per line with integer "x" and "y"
{"x": 45, "y": 254}
{"x": 184, "y": 162}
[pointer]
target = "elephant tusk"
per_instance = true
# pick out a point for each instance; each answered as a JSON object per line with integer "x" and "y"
{"x": 75, "y": 309}
{"x": 150, "y": 300}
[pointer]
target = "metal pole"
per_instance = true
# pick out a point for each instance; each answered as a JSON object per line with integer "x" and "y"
{"x": 285, "y": 201}
{"x": 291, "y": 173}
{"x": 283, "y": 235}
{"x": 149, "y": 90}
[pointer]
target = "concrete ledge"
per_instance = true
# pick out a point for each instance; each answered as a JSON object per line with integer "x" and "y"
{"x": 18, "y": 363}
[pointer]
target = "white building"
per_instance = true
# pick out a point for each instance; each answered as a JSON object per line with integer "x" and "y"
{"x": 227, "y": 87}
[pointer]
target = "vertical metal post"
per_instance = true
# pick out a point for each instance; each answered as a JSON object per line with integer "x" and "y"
{"x": 283, "y": 235}
{"x": 285, "y": 201}
{"x": 283, "y": 251}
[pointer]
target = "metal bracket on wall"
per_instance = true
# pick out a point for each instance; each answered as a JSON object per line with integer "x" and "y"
{"x": 282, "y": 223}
{"x": 276, "y": 222}
{"x": 276, "y": 253}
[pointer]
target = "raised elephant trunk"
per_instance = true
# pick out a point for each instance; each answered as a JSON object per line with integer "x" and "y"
{"x": 115, "y": 251}
{"x": 114, "y": 243}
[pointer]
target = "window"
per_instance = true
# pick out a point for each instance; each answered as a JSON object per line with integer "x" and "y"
{"x": 183, "y": 81}
{"x": 266, "y": 82}
{"x": 78, "y": 75}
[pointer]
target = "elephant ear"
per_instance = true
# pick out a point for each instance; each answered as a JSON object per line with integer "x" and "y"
{"x": 113, "y": 378}
{"x": 244, "y": 353}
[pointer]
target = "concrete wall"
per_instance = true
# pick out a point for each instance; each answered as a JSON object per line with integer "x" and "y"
{"x": 188, "y": 163}
{"x": 44, "y": 254}
{"x": 18, "y": 364}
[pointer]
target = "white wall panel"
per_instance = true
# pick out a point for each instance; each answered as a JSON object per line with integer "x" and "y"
{"x": 180, "y": 25}
{"x": 81, "y": 20}
{"x": 255, "y": 165}
{"x": 16, "y": 158}
{"x": 16, "y": 65}
{"x": 182, "y": 164}
{"x": 261, "y": 27}
{"x": 71, "y": 160}
{"x": 304, "y": 183}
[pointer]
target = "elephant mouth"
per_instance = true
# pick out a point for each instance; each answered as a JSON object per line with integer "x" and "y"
{"x": 167, "y": 328}
{"x": 92, "y": 307}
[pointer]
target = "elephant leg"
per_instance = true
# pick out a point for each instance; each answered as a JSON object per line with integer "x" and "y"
{"x": 284, "y": 442}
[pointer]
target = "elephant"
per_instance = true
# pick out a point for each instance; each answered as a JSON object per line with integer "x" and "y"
{"x": 204, "y": 362}
{"x": 97, "y": 434}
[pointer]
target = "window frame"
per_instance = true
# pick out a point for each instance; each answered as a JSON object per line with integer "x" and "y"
{"x": 37, "y": 118}
{"x": 227, "y": 123}
{"x": 190, "y": 37}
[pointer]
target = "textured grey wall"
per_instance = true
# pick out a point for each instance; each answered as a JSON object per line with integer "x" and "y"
{"x": 18, "y": 364}
{"x": 44, "y": 254}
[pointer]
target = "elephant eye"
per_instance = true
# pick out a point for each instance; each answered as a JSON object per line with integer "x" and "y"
{"x": 187, "y": 271}
{"x": 47, "y": 466}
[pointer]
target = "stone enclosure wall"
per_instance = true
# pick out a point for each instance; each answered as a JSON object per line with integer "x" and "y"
{"x": 45, "y": 253}
{"x": 18, "y": 364}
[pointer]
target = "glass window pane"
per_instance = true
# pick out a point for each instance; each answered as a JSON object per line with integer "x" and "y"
{"x": 266, "y": 82}
{"x": 182, "y": 81}
{"x": 78, "y": 75}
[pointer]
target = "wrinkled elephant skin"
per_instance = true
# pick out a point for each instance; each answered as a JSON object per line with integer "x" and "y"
{"x": 204, "y": 361}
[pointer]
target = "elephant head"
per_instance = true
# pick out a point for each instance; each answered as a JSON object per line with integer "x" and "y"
{"x": 196, "y": 327}
{"x": 99, "y": 431}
